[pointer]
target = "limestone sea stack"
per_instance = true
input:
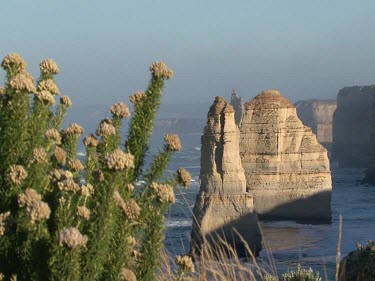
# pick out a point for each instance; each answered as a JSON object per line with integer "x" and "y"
{"x": 286, "y": 168}
{"x": 223, "y": 204}
{"x": 238, "y": 105}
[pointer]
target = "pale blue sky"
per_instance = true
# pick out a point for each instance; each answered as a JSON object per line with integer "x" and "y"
{"x": 306, "y": 49}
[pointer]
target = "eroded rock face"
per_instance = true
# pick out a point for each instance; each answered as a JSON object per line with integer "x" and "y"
{"x": 318, "y": 115}
{"x": 286, "y": 168}
{"x": 223, "y": 202}
{"x": 352, "y": 127}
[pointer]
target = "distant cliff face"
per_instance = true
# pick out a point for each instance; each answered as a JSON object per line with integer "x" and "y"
{"x": 353, "y": 123}
{"x": 286, "y": 168}
{"x": 223, "y": 203}
{"x": 318, "y": 115}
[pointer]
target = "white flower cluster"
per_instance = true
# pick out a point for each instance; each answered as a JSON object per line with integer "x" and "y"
{"x": 65, "y": 100}
{"x": 73, "y": 129}
{"x": 75, "y": 165}
{"x": 48, "y": 85}
{"x": 120, "y": 109}
{"x": 60, "y": 155}
{"x": 164, "y": 192}
{"x": 16, "y": 174}
{"x": 119, "y": 160}
{"x": 53, "y": 135}
{"x": 136, "y": 97}
{"x": 60, "y": 175}
{"x": 91, "y": 141}
{"x": 87, "y": 190}
{"x": 39, "y": 156}
{"x": 12, "y": 61}
{"x": 68, "y": 185}
{"x": 49, "y": 66}
{"x": 105, "y": 128}
{"x": 160, "y": 70}
{"x": 183, "y": 177}
{"x": 130, "y": 208}
{"x": 5, "y": 221}
{"x": 36, "y": 209}
{"x": 72, "y": 238}
{"x": 45, "y": 97}
{"x": 173, "y": 142}
{"x": 185, "y": 263}
{"x": 22, "y": 82}
{"x": 83, "y": 212}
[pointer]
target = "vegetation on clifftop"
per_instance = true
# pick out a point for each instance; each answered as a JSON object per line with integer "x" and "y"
{"x": 61, "y": 219}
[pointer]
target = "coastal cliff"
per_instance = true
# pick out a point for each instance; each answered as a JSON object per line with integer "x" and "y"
{"x": 286, "y": 168}
{"x": 318, "y": 115}
{"x": 353, "y": 127}
{"x": 223, "y": 204}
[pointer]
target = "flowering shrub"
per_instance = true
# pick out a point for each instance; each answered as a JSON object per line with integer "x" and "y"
{"x": 301, "y": 274}
{"x": 61, "y": 219}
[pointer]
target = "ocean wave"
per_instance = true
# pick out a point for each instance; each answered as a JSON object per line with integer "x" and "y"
{"x": 178, "y": 223}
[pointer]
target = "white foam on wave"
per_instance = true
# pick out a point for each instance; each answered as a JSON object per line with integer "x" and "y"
{"x": 178, "y": 223}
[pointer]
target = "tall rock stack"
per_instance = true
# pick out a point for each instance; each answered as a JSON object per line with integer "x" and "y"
{"x": 223, "y": 204}
{"x": 238, "y": 105}
{"x": 286, "y": 169}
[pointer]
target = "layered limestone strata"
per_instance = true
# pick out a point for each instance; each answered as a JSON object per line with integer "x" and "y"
{"x": 223, "y": 204}
{"x": 353, "y": 127}
{"x": 286, "y": 168}
{"x": 318, "y": 115}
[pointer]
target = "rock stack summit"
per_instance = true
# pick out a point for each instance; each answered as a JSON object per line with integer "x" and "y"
{"x": 270, "y": 165}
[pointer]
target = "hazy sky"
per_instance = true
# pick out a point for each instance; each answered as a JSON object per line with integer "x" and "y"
{"x": 306, "y": 49}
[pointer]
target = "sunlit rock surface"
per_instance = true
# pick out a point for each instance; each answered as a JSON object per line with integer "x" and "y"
{"x": 223, "y": 204}
{"x": 286, "y": 168}
{"x": 318, "y": 115}
{"x": 353, "y": 129}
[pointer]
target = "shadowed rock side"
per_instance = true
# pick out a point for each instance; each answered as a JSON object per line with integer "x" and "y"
{"x": 238, "y": 105}
{"x": 223, "y": 203}
{"x": 318, "y": 115}
{"x": 352, "y": 127}
{"x": 286, "y": 168}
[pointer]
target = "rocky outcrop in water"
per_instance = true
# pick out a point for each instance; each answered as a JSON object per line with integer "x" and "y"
{"x": 359, "y": 264}
{"x": 286, "y": 168}
{"x": 352, "y": 127}
{"x": 318, "y": 115}
{"x": 238, "y": 105}
{"x": 223, "y": 204}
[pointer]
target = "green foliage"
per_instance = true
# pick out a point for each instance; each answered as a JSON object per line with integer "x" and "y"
{"x": 366, "y": 261}
{"x": 64, "y": 220}
{"x": 301, "y": 274}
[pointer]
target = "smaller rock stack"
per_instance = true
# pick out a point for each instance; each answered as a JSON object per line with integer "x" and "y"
{"x": 238, "y": 105}
{"x": 223, "y": 205}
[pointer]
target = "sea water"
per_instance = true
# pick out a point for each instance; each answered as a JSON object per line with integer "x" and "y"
{"x": 286, "y": 243}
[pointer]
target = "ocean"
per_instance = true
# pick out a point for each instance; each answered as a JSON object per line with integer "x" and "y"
{"x": 286, "y": 243}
